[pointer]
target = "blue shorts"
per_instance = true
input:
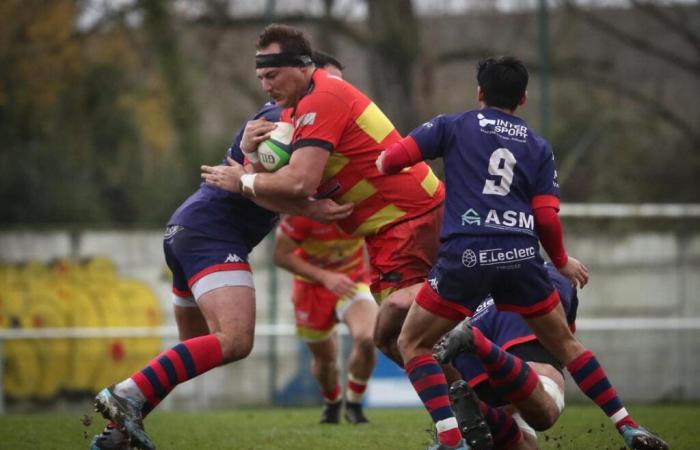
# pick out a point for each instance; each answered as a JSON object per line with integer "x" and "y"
{"x": 469, "y": 268}
{"x": 200, "y": 263}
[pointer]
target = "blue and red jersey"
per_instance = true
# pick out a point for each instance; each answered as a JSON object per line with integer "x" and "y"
{"x": 221, "y": 214}
{"x": 497, "y": 168}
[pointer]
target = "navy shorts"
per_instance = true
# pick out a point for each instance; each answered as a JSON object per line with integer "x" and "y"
{"x": 200, "y": 263}
{"x": 469, "y": 268}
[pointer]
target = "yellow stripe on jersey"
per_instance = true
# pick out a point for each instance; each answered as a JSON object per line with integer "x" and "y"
{"x": 336, "y": 163}
{"x": 377, "y": 220}
{"x": 361, "y": 191}
{"x": 373, "y": 122}
{"x": 430, "y": 183}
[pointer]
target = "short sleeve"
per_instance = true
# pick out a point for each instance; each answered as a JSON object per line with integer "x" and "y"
{"x": 295, "y": 227}
{"x": 430, "y": 137}
{"x": 320, "y": 119}
{"x": 547, "y": 182}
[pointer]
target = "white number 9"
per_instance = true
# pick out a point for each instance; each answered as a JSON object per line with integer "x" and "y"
{"x": 501, "y": 165}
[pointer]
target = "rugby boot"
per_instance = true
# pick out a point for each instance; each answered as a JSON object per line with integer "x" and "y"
{"x": 639, "y": 438}
{"x": 354, "y": 413}
{"x": 110, "y": 439}
{"x": 462, "y": 445}
{"x": 331, "y": 413}
{"x": 125, "y": 412}
{"x": 459, "y": 339}
{"x": 470, "y": 420}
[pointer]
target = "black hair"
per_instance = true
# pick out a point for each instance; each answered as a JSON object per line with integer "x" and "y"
{"x": 290, "y": 40}
{"x": 322, "y": 59}
{"x": 503, "y": 81}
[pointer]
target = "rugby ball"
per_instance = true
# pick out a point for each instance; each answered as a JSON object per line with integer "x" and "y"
{"x": 275, "y": 152}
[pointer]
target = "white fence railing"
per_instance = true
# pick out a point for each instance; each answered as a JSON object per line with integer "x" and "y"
{"x": 288, "y": 330}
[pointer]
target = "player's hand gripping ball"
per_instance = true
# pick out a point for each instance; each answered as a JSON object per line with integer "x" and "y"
{"x": 275, "y": 152}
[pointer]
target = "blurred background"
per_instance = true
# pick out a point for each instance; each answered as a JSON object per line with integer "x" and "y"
{"x": 109, "y": 107}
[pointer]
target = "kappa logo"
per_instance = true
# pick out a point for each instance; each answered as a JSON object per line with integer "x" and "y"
{"x": 469, "y": 258}
{"x": 433, "y": 283}
{"x": 233, "y": 258}
{"x": 306, "y": 119}
{"x": 471, "y": 217}
{"x": 483, "y": 121}
{"x": 172, "y": 230}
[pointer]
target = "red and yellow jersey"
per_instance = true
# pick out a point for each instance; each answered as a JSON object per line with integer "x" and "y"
{"x": 338, "y": 117}
{"x": 326, "y": 246}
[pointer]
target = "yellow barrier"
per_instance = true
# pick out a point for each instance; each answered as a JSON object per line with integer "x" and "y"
{"x": 68, "y": 294}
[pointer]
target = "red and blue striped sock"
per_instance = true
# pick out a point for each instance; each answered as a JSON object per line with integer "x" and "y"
{"x": 509, "y": 375}
{"x": 504, "y": 429}
{"x": 593, "y": 381}
{"x": 429, "y": 381}
{"x": 186, "y": 360}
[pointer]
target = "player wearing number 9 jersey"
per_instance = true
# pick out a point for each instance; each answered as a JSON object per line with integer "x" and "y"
{"x": 502, "y": 196}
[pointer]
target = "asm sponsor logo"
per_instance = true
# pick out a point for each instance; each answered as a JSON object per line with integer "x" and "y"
{"x": 509, "y": 219}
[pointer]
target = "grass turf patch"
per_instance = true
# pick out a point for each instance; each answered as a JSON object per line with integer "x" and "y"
{"x": 580, "y": 427}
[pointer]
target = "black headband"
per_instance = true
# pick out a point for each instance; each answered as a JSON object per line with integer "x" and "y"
{"x": 281, "y": 60}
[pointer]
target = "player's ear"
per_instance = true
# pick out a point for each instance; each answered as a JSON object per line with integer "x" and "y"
{"x": 523, "y": 100}
{"x": 479, "y": 94}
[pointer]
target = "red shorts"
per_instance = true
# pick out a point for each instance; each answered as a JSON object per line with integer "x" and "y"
{"x": 317, "y": 310}
{"x": 403, "y": 255}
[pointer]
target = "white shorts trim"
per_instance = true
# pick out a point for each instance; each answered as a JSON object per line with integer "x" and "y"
{"x": 187, "y": 302}
{"x": 224, "y": 278}
{"x": 362, "y": 294}
{"x": 524, "y": 427}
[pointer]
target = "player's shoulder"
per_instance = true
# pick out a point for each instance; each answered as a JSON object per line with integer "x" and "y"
{"x": 327, "y": 87}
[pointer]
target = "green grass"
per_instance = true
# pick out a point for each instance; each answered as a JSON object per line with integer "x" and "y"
{"x": 581, "y": 427}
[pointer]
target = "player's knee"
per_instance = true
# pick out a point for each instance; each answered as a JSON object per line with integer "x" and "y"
{"x": 234, "y": 348}
{"x": 364, "y": 345}
{"x": 544, "y": 420}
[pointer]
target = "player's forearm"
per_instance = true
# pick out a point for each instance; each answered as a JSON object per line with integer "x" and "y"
{"x": 551, "y": 235}
{"x": 284, "y": 205}
{"x": 399, "y": 155}
{"x": 298, "y": 266}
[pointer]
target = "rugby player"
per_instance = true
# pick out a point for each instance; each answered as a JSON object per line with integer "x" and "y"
{"x": 502, "y": 200}
{"x": 512, "y": 427}
{"x": 339, "y": 134}
{"x": 331, "y": 285}
{"x": 206, "y": 244}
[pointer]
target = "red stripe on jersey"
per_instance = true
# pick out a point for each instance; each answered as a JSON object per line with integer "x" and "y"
{"x": 218, "y": 268}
